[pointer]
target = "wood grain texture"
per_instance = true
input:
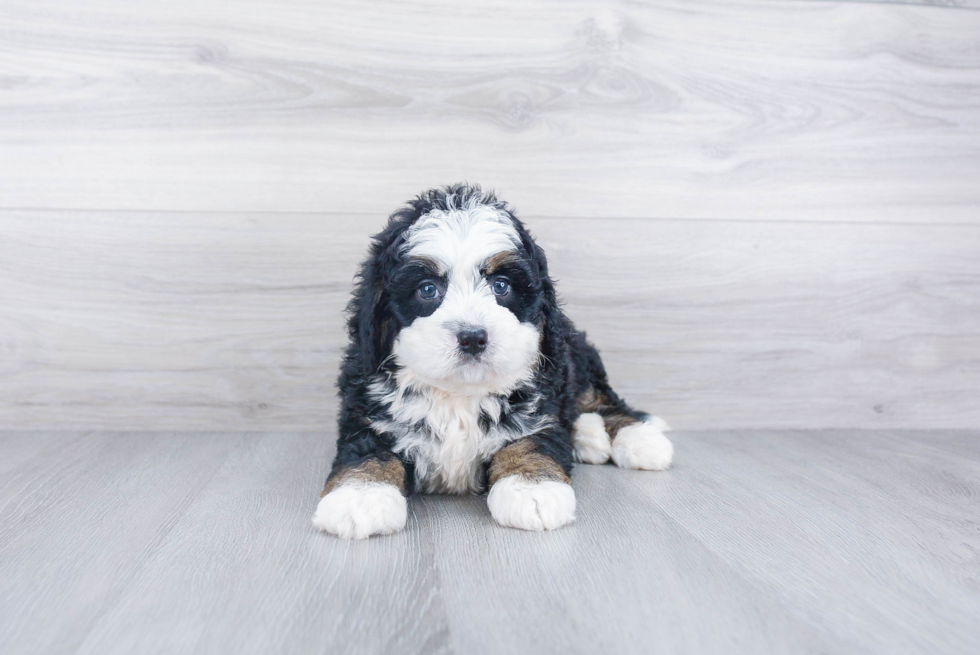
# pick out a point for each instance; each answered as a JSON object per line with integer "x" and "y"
{"x": 754, "y": 109}
{"x": 626, "y": 582}
{"x": 949, "y": 4}
{"x": 179, "y": 320}
{"x": 199, "y": 543}
{"x": 245, "y": 571}
{"x": 754, "y": 542}
{"x": 78, "y": 523}
{"x": 234, "y": 321}
{"x": 854, "y": 520}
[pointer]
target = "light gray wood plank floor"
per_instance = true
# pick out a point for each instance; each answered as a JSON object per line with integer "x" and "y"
{"x": 755, "y": 542}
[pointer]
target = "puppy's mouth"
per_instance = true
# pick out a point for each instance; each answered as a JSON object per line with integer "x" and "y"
{"x": 471, "y": 360}
{"x": 474, "y": 366}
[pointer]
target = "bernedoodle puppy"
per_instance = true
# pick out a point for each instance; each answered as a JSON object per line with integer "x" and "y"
{"x": 463, "y": 374}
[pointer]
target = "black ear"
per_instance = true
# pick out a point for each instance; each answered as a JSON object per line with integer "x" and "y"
{"x": 371, "y": 323}
{"x": 555, "y": 327}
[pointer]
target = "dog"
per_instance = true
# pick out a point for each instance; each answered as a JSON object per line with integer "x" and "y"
{"x": 463, "y": 374}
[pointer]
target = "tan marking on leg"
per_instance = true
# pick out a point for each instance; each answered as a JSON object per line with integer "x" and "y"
{"x": 591, "y": 401}
{"x": 519, "y": 458}
{"x": 373, "y": 470}
{"x": 616, "y": 422}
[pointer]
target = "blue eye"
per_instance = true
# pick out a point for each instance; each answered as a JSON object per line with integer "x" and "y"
{"x": 428, "y": 291}
{"x": 500, "y": 286}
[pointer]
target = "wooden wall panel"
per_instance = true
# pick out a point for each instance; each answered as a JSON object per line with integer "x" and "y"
{"x": 750, "y": 109}
{"x": 233, "y": 321}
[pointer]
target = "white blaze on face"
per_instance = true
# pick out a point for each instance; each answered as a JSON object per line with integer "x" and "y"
{"x": 460, "y": 242}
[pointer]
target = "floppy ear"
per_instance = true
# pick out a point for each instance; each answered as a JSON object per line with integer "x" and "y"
{"x": 370, "y": 325}
{"x": 555, "y": 327}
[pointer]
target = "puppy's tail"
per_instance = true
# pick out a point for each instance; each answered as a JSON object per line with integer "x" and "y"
{"x": 607, "y": 428}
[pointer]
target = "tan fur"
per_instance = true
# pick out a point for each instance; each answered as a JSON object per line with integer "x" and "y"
{"x": 519, "y": 458}
{"x": 615, "y": 422}
{"x": 591, "y": 401}
{"x": 499, "y": 260}
{"x": 373, "y": 470}
{"x": 427, "y": 263}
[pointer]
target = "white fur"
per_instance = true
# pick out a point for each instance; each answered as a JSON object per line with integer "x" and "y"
{"x": 429, "y": 347}
{"x": 357, "y": 510}
{"x": 519, "y": 503}
{"x": 460, "y": 242}
{"x": 439, "y": 393}
{"x": 592, "y": 444}
{"x": 643, "y": 446}
{"x": 450, "y": 451}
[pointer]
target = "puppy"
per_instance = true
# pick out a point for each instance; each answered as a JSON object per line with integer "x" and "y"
{"x": 463, "y": 374}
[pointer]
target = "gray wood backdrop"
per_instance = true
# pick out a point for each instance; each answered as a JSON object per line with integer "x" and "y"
{"x": 766, "y": 213}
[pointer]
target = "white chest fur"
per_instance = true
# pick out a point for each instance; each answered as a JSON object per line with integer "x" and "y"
{"x": 453, "y": 447}
{"x": 443, "y": 433}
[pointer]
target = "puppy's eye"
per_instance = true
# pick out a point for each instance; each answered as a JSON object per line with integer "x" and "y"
{"x": 428, "y": 291}
{"x": 500, "y": 286}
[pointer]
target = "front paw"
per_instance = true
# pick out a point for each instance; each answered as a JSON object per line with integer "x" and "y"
{"x": 520, "y": 503}
{"x": 358, "y": 510}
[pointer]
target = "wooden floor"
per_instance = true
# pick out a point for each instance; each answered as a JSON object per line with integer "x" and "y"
{"x": 755, "y": 542}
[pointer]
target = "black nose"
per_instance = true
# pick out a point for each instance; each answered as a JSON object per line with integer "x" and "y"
{"x": 472, "y": 341}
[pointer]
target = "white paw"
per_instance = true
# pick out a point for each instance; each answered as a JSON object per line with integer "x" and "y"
{"x": 643, "y": 446}
{"x": 519, "y": 503}
{"x": 591, "y": 441}
{"x": 357, "y": 510}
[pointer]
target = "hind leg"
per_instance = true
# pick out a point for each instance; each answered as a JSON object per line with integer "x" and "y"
{"x": 643, "y": 445}
{"x": 631, "y": 442}
{"x": 607, "y": 427}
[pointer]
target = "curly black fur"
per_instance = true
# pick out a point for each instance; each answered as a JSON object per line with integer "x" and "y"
{"x": 570, "y": 365}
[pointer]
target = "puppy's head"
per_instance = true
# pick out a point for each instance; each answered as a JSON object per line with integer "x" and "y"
{"x": 456, "y": 294}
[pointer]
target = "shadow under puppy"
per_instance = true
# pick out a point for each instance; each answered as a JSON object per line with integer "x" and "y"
{"x": 463, "y": 374}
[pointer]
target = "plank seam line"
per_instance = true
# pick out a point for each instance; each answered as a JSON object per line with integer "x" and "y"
{"x": 522, "y": 215}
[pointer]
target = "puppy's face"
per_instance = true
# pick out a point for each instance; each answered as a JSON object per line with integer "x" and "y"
{"x": 467, "y": 295}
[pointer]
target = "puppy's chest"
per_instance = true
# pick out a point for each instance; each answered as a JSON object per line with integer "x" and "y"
{"x": 449, "y": 437}
{"x": 454, "y": 443}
